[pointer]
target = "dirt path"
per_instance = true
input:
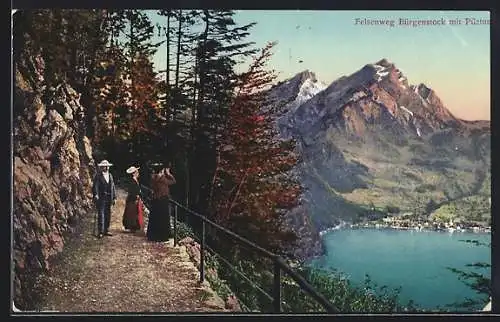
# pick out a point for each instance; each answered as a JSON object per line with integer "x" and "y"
{"x": 124, "y": 273}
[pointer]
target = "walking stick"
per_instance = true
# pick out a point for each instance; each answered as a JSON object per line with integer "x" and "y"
{"x": 96, "y": 229}
{"x": 96, "y": 220}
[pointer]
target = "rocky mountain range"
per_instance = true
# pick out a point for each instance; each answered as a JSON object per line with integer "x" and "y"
{"x": 371, "y": 140}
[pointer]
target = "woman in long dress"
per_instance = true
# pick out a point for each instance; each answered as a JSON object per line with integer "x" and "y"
{"x": 159, "y": 217}
{"x": 133, "y": 213}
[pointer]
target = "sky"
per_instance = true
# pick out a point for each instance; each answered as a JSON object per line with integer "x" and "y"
{"x": 453, "y": 60}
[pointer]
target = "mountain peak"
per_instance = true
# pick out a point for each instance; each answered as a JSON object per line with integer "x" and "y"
{"x": 423, "y": 90}
{"x": 295, "y": 91}
{"x": 304, "y": 75}
{"x": 385, "y": 63}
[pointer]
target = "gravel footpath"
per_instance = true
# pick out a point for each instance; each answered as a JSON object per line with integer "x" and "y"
{"x": 123, "y": 273}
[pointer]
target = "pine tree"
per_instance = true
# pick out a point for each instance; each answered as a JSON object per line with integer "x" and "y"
{"x": 252, "y": 190}
{"x": 175, "y": 32}
{"x": 182, "y": 98}
{"x": 137, "y": 110}
{"x": 219, "y": 47}
{"x": 167, "y": 31}
{"x": 144, "y": 91}
{"x": 108, "y": 94}
{"x": 139, "y": 33}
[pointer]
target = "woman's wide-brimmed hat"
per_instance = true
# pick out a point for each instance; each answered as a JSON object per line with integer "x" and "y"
{"x": 104, "y": 163}
{"x": 132, "y": 169}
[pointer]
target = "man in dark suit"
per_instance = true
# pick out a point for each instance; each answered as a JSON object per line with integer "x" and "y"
{"x": 104, "y": 193}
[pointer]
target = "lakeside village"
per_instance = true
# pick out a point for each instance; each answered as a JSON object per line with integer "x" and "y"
{"x": 407, "y": 221}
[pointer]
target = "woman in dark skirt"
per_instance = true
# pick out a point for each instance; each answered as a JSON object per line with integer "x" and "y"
{"x": 159, "y": 217}
{"x": 133, "y": 213}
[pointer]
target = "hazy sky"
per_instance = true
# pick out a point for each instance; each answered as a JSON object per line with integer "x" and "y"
{"x": 454, "y": 60}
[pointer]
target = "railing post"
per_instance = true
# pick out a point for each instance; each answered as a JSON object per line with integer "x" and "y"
{"x": 175, "y": 225}
{"x": 202, "y": 252}
{"x": 277, "y": 287}
{"x": 279, "y": 264}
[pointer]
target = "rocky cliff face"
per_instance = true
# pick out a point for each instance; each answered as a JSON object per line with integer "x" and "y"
{"x": 308, "y": 244}
{"x": 53, "y": 167}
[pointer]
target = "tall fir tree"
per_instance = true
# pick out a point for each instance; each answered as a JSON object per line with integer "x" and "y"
{"x": 251, "y": 188}
{"x": 219, "y": 48}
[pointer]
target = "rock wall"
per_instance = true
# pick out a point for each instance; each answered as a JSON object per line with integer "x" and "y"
{"x": 193, "y": 250}
{"x": 52, "y": 172}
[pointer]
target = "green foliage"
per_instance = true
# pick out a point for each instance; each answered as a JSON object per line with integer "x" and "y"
{"x": 486, "y": 186}
{"x": 69, "y": 41}
{"x": 250, "y": 186}
{"x": 139, "y": 34}
{"x": 218, "y": 284}
{"x": 425, "y": 187}
{"x": 392, "y": 209}
{"x": 346, "y": 297}
{"x": 220, "y": 46}
{"x": 473, "y": 208}
{"x": 184, "y": 230}
{"x": 476, "y": 280}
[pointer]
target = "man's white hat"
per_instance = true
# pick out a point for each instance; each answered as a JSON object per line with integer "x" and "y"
{"x": 132, "y": 169}
{"x": 104, "y": 163}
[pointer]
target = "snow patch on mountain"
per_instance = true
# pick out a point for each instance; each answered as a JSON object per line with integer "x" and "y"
{"x": 406, "y": 110}
{"x": 382, "y": 74}
{"x": 379, "y": 68}
{"x": 297, "y": 90}
{"x": 424, "y": 101}
{"x": 357, "y": 96}
{"x": 308, "y": 89}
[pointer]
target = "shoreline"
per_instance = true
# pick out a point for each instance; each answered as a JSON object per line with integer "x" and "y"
{"x": 475, "y": 230}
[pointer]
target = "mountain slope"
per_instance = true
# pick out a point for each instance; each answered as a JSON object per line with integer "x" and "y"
{"x": 371, "y": 140}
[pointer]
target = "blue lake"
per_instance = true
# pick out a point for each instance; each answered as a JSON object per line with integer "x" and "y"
{"x": 416, "y": 261}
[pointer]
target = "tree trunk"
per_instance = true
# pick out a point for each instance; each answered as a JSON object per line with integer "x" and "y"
{"x": 192, "y": 146}
{"x": 168, "y": 55}
{"x": 167, "y": 87}
{"x": 186, "y": 189}
{"x": 179, "y": 37}
{"x": 201, "y": 65}
{"x": 131, "y": 55}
